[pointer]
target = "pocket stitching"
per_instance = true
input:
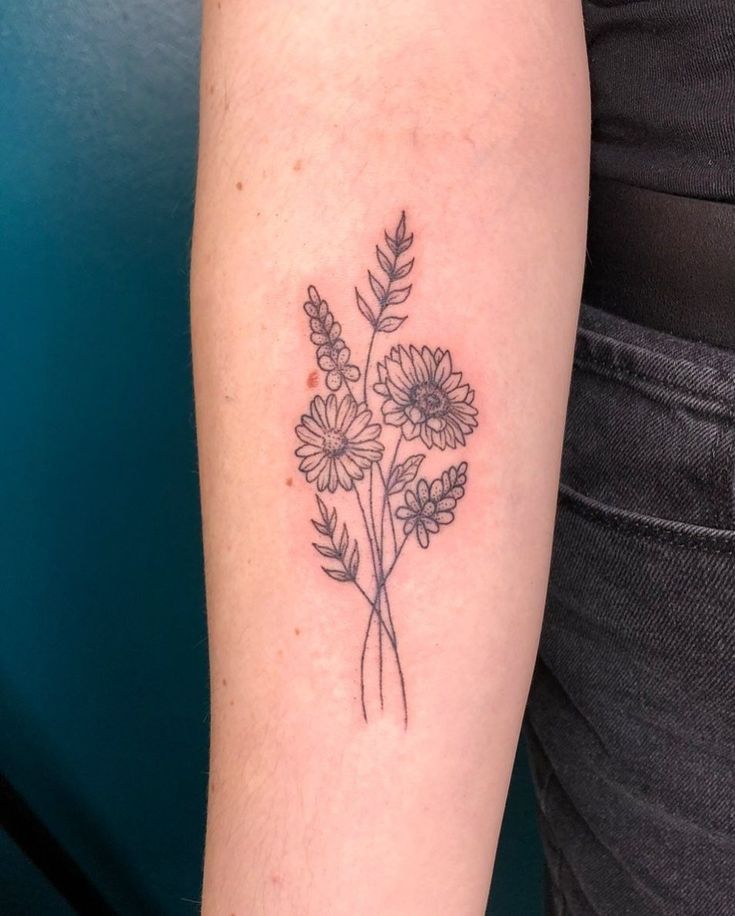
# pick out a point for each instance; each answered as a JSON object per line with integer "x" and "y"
{"x": 619, "y": 519}
{"x": 706, "y": 403}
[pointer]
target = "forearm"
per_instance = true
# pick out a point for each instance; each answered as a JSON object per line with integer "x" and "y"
{"x": 321, "y": 123}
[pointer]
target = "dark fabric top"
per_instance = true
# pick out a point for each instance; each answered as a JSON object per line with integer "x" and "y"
{"x": 663, "y": 94}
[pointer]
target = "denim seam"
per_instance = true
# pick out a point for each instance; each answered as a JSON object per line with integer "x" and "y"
{"x": 705, "y": 402}
{"x": 728, "y": 473}
{"x": 608, "y": 346}
{"x": 642, "y": 528}
{"x": 723, "y": 462}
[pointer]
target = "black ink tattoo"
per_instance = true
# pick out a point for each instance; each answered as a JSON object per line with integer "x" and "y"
{"x": 423, "y": 400}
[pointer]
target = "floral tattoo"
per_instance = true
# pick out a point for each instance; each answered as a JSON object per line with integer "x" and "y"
{"x": 423, "y": 404}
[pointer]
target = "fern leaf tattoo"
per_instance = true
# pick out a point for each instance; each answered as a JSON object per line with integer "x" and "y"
{"x": 412, "y": 397}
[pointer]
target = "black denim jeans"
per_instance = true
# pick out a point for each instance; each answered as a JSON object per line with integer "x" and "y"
{"x": 631, "y": 716}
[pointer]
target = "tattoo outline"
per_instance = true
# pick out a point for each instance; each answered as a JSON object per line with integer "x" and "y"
{"x": 422, "y": 397}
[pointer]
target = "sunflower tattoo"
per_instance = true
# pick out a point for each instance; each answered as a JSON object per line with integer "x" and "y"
{"x": 422, "y": 399}
{"x": 425, "y": 397}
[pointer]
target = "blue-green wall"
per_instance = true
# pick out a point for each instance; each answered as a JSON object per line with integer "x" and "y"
{"x": 103, "y": 657}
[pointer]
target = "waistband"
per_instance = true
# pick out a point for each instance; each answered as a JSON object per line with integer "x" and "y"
{"x": 662, "y": 261}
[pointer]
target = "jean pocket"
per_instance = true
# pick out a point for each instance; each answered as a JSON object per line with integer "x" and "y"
{"x": 650, "y": 425}
{"x": 640, "y": 610}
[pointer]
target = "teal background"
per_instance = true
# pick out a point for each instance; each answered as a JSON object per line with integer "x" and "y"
{"x": 103, "y": 678}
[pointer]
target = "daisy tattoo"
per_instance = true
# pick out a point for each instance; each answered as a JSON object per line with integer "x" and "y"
{"x": 418, "y": 399}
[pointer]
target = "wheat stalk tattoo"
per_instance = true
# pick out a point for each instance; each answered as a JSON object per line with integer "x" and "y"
{"x": 424, "y": 403}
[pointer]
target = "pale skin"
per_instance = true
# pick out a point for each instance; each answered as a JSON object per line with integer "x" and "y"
{"x": 321, "y": 122}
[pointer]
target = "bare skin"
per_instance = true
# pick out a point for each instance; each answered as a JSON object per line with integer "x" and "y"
{"x": 336, "y": 787}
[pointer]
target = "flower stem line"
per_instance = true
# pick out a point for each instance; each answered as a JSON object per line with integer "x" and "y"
{"x": 386, "y": 498}
{"x": 371, "y": 602}
{"x": 375, "y": 608}
{"x": 363, "y": 653}
{"x": 376, "y": 612}
{"x": 375, "y": 605}
{"x": 378, "y": 576}
{"x": 381, "y": 578}
{"x": 383, "y": 582}
{"x": 398, "y": 659}
{"x": 395, "y": 560}
{"x": 381, "y": 592}
{"x": 367, "y": 364}
{"x": 393, "y": 639}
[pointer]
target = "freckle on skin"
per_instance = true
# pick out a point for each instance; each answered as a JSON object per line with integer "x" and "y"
{"x": 224, "y": 681}
{"x": 467, "y": 137}
{"x": 289, "y": 481}
{"x": 239, "y": 186}
{"x": 297, "y": 166}
{"x": 312, "y": 379}
{"x": 297, "y": 631}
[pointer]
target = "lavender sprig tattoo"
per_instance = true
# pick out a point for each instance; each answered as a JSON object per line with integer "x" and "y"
{"x": 423, "y": 400}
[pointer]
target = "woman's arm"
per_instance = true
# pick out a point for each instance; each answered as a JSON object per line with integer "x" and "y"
{"x": 364, "y": 720}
